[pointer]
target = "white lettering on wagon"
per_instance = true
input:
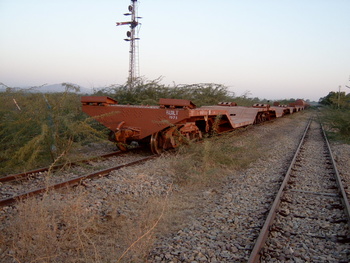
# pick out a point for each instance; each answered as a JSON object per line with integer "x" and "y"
{"x": 173, "y": 114}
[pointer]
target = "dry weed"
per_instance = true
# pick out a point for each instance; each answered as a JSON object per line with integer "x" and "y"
{"x": 71, "y": 228}
{"x": 208, "y": 162}
{"x": 78, "y": 227}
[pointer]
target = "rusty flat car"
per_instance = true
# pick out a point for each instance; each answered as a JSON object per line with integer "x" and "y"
{"x": 171, "y": 123}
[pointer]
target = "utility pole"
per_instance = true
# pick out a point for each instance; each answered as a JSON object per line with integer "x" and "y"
{"x": 339, "y": 97}
{"x": 132, "y": 38}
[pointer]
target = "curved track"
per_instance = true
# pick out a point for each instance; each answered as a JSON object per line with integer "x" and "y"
{"x": 309, "y": 219}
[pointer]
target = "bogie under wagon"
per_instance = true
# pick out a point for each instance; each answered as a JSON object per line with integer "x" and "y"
{"x": 171, "y": 123}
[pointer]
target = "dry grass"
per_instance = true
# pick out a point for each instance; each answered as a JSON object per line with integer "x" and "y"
{"x": 64, "y": 228}
{"x": 75, "y": 227}
{"x": 206, "y": 163}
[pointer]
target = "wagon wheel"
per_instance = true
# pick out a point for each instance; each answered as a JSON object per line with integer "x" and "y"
{"x": 260, "y": 118}
{"x": 195, "y": 136}
{"x": 179, "y": 137}
{"x": 173, "y": 137}
{"x": 122, "y": 146}
{"x": 156, "y": 143}
{"x": 191, "y": 133}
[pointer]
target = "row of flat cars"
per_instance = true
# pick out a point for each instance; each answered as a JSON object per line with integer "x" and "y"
{"x": 176, "y": 121}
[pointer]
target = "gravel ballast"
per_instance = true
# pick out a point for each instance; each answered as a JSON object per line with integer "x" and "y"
{"x": 211, "y": 223}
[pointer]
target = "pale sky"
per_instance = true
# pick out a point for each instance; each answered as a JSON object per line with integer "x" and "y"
{"x": 273, "y": 49}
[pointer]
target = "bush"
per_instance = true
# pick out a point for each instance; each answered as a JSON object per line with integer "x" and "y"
{"x": 37, "y": 129}
{"x": 337, "y": 123}
{"x": 149, "y": 92}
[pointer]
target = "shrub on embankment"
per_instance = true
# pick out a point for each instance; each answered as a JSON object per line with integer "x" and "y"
{"x": 37, "y": 129}
{"x": 335, "y": 115}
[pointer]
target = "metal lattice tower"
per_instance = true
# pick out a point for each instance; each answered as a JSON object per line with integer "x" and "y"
{"x": 132, "y": 35}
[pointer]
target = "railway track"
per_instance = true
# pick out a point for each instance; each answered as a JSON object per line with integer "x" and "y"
{"x": 24, "y": 185}
{"x": 20, "y": 176}
{"x": 218, "y": 223}
{"x": 309, "y": 219}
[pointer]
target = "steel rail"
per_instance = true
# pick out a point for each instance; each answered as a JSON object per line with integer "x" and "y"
{"x": 14, "y": 177}
{"x": 70, "y": 182}
{"x": 344, "y": 198}
{"x": 255, "y": 254}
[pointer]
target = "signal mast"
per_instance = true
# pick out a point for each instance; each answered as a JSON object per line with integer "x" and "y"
{"x": 132, "y": 38}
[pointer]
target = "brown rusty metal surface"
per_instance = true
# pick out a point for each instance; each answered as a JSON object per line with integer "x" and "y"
{"x": 299, "y": 108}
{"x": 98, "y": 99}
{"x": 115, "y": 118}
{"x": 280, "y": 111}
{"x": 291, "y": 110}
{"x": 259, "y": 105}
{"x": 176, "y": 103}
{"x": 139, "y": 123}
{"x": 299, "y": 105}
{"x": 146, "y": 120}
{"x": 240, "y": 116}
{"x": 229, "y": 104}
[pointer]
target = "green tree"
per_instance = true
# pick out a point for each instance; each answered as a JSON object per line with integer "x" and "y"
{"x": 336, "y": 100}
{"x": 336, "y": 114}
